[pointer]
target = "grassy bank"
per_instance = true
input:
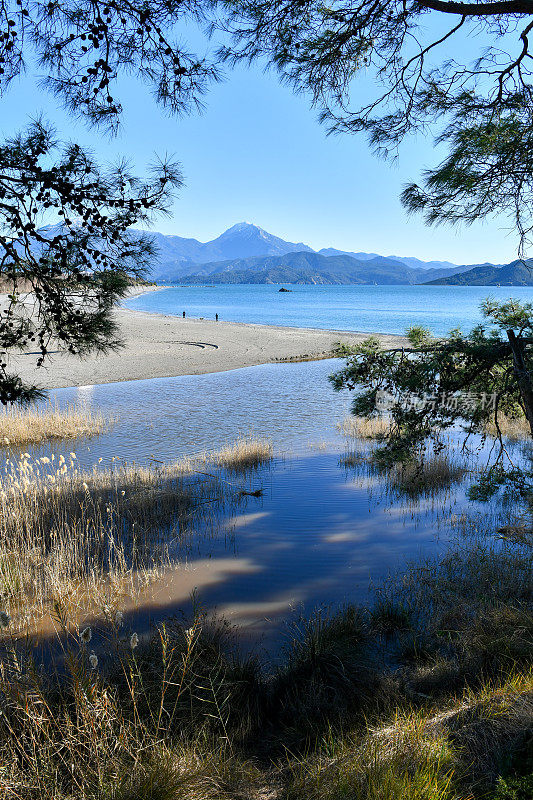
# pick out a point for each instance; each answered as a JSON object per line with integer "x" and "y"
{"x": 426, "y": 694}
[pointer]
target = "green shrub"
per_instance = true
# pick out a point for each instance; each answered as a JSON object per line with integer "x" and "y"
{"x": 514, "y": 788}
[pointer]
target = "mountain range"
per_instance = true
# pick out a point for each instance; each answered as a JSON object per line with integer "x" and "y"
{"x": 311, "y": 267}
{"x": 409, "y": 261}
{"x": 246, "y": 253}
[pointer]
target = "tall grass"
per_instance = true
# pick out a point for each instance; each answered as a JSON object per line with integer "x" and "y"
{"x": 363, "y": 427}
{"x": 513, "y": 428}
{"x": 469, "y": 615}
{"x": 154, "y": 725}
{"x": 22, "y": 426}
{"x": 425, "y": 754}
{"x": 425, "y": 694}
{"x": 74, "y": 542}
{"x": 65, "y": 532}
{"x": 183, "y": 714}
{"x": 430, "y": 476}
{"x": 245, "y": 454}
{"x": 400, "y": 762}
{"x": 426, "y": 477}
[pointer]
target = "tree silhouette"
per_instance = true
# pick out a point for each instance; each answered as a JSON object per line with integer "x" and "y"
{"x": 83, "y": 47}
{"x": 462, "y": 69}
{"x": 74, "y": 271}
{"x": 459, "y": 381}
{"x": 63, "y": 280}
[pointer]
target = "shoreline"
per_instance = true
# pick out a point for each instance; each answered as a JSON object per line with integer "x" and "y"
{"x": 163, "y": 346}
{"x": 365, "y": 334}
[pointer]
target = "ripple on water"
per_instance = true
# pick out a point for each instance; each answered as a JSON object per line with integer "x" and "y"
{"x": 318, "y": 535}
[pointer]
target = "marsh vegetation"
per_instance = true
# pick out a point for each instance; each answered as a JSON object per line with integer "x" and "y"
{"x": 247, "y": 453}
{"x": 514, "y": 428}
{"x": 33, "y": 425}
{"x": 425, "y": 692}
{"x": 363, "y": 427}
{"x": 427, "y": 475}
{"x": 69, "y": 535}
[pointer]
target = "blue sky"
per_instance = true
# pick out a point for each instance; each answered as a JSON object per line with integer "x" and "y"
{"x": 258, "y": 154}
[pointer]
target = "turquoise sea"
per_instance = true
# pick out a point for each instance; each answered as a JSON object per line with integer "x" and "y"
{"x": 379, "y": 309}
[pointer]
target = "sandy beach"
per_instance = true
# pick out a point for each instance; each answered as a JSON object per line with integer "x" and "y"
{"x": 157, "y": 346}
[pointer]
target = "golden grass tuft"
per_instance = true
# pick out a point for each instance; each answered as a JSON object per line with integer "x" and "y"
{"x": 486, "y": 724}
{"x": 21, "y": 426}
{"x": 364, "y": 428}
{"x": 400, "y": 764}
{"x": 513, "y": 428}
{"x": 427, "y": 477}
{"x": 68, "y": 533}
{"x": 247, "y": 453}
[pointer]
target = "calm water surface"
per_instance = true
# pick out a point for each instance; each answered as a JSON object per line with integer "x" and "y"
{"x": 319, "y": 534}
{"x": 165, "y": 418}
{"x": 379, "y": 309}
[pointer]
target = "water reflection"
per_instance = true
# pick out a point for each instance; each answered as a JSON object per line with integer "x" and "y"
{"x": 306, "y": 542}
{"x": 320, "y": 534}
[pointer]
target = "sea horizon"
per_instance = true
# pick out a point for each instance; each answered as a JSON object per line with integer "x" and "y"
{"x": 383, "y": 309}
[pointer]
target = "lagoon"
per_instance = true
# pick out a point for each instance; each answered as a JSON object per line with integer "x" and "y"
{"x": 320, "y": 534}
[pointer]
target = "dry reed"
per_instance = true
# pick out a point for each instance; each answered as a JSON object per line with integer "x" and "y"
{"x": 512, "y": 428}
{"x": 422, "y": 477}
{"x": 68, "y": 533}
{"x": 78, "y": 733}
{"x": 427, "y": 477}
{"x": 247, "y": 453}
{"x": 363, "y": 427}
{"x": 179, "y": 717}
{"x": 22, "y": 426}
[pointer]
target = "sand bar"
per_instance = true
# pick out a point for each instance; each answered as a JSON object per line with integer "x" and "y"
{"x": 158, "y": 345}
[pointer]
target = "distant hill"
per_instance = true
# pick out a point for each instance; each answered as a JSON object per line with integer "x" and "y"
{"x": 517, "y": 273}
{"x": 311, "y": 268}
{"x": 246, "y": 248}
{"x": 409, "y": 261}
{"x": 179, "y": 256}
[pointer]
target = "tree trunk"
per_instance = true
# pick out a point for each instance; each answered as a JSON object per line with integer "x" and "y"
{"x": 522, "y": 376}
